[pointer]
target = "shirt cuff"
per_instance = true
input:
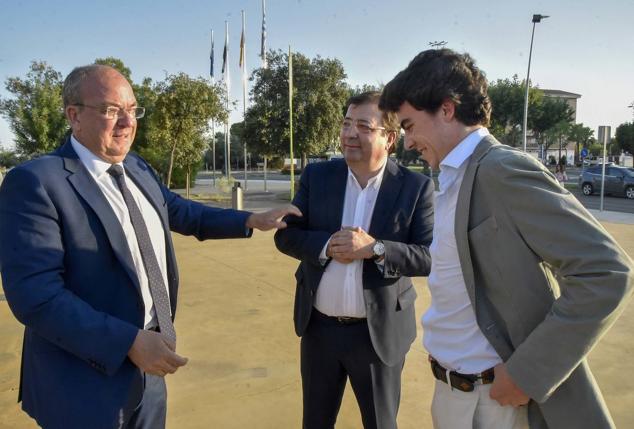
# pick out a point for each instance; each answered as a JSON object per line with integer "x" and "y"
{"x": 322, "y": 256}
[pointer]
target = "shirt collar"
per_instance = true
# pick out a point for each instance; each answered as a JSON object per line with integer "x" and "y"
{"x": 95, "y": 165}
{"x": 464, "y": 149}
{"x": 374, "y": 182}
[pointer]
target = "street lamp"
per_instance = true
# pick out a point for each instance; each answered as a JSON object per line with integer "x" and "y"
{"x": 631, "y": 106}
{"x": 536, "y": 19}
{"x": 437, "y": 44}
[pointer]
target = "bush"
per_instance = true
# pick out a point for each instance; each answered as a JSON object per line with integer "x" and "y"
{"x": 275, "y": 163}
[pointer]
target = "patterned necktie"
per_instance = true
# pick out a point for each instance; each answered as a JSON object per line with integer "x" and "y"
{"x": 154, "y": 276}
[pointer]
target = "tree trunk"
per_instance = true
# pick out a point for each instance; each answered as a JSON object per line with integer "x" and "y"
{"x": 187, "y": 178}
{"x": 169, "y": 170}
{"x": 304, "y": 160}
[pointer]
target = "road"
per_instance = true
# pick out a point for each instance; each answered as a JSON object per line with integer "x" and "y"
{"x": 281, "y": 183}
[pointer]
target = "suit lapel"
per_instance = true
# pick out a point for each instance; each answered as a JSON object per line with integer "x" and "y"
{"x": 388, "y": 194}
{"x": 461, "y": 226}
{"x": 83, "y": 183}
{"x": 139, "y": 173}
{"x": 335, "y": 186}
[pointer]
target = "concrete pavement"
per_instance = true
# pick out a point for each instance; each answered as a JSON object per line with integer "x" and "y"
{"x": 235, "y": 324}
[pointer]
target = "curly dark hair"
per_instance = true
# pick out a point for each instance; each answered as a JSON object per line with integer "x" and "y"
{"x": 436, "y": 75}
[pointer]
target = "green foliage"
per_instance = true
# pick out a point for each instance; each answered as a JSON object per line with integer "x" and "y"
{"x": 116, "y": 64}
{"x": 182, "y": 111}
{"x": 319, "y": 93}
{"x": 581, "y": 136}
{"x": 403, "y": 155}
{"x": 35, "y": 114}
{"x": 552, "y": 119}
{"x": 8, "y": 159}
{"x": 507, "y": 116}
{"x": 625, "y": 137}
{"x": 548, "y": 117}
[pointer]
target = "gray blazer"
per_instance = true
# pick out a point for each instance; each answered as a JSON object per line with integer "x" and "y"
{"x": 545, "y": 279}
{"x": 402, "y": 218}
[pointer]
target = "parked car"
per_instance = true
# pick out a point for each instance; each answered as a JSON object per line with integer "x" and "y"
{"x": 618, "y": 180}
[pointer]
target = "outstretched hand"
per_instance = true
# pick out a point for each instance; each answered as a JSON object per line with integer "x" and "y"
{"x": 272, "y": 218}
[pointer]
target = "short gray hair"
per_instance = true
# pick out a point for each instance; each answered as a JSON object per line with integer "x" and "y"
{"x": 71, "y": 92}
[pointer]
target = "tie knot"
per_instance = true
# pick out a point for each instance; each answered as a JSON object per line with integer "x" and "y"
{"x": 115, "y": 171}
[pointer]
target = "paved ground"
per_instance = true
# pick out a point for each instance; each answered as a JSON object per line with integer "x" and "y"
{"x": 235, "y": 324}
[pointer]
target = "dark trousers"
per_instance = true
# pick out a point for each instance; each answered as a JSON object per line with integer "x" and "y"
{"x": 151, "y": 412}
{"x": 331, "y": 353}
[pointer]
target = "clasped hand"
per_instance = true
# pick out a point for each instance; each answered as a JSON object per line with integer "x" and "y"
{"x": 349, "y": 244}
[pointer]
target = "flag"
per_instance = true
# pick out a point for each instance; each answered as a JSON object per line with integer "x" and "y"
{"x": 263, "y": 43}
{"x": 211, "y": 58}
{"x": 243, "y": 63}
{"x": 242, "y": 41}
{"x": 225, "y": 59}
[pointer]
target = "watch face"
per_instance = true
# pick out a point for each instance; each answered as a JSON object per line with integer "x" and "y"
{"x": 378, "y": 249}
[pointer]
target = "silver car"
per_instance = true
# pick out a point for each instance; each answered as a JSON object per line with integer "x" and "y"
{"x": 618, "y": 180}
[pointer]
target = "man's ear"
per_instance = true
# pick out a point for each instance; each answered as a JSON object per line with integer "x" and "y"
{"x": 72, "y": 116}
{"x": 392, "y": 137}
{"x": 448, "y": 110}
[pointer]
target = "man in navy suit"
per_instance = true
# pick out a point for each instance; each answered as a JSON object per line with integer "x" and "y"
{"x": 365, "y": 229}
{"x": 88, "y": 265}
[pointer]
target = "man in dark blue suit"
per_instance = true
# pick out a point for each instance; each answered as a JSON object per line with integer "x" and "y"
{"x": 365, "y": 229}
{"x": 88, "y": 265}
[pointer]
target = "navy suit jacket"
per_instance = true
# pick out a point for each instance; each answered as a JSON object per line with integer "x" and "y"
{"x": 402, "y": 219}
{"x": 68, "y": 276}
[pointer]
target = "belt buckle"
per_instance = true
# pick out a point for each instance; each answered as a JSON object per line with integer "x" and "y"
{"x": 345, "y": 320}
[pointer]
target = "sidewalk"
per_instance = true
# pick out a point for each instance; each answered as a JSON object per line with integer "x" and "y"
{"x": 235, "y": 325}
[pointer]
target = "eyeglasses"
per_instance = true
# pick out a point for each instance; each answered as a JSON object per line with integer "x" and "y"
{"x": 112, "y": 112}
{"x": 361, "y": 127}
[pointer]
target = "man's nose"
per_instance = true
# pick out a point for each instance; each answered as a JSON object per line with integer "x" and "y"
{"x": 125, "y": 119}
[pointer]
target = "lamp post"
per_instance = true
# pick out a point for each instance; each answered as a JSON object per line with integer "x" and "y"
{"x": 536, "y": 18}
{"x": 631, "y": 106}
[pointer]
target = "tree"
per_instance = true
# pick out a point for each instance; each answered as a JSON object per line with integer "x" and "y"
{"x": 581, "y": 136}
{"x": 550, "y": 113}
{"x": 319, "y": 94}
{"x": 403, "y": 155}
{"x": 507, "y": 116}
{"x": 183, "y": 109}
{"x": 116, "y": 64}
{"x": 625, "y": 137}
{"x": 8, "y": 159}
{"x": 36, "y": 114}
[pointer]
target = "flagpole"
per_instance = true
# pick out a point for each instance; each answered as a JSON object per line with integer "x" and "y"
{"x": 243, "y": 65}
{"x": 225, "y": 69}
{"x": 264, "y": 66}
{"x": 213, "y": 123}
{"x": 290, "y": 117}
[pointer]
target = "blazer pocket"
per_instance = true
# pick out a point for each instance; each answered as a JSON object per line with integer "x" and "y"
{"x": 406, "y": 298}
{"x": 485, "y": 228}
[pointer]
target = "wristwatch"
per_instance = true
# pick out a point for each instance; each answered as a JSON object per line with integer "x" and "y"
{"x": 378, "y": 250}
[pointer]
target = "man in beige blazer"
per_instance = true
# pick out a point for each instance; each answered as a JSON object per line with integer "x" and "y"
{"x": 524, "y": 281}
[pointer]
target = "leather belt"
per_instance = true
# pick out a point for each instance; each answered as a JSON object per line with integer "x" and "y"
{"x": 462, "y": 382}
{"x": 340, "y": 320}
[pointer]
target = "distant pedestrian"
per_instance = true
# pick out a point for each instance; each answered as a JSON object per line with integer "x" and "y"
{"x": 560, "y": 174}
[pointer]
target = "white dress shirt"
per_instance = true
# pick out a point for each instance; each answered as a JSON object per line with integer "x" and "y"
{"x": 98, "y": 170}
{"x": 450, "y": 330}
{"x": 340, "y": 291}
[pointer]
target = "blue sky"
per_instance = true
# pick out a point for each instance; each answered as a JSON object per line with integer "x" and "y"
{"x": 584, "y": 47}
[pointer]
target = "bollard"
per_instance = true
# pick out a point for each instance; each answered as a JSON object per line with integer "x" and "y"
{"x": 236, "y": 196}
